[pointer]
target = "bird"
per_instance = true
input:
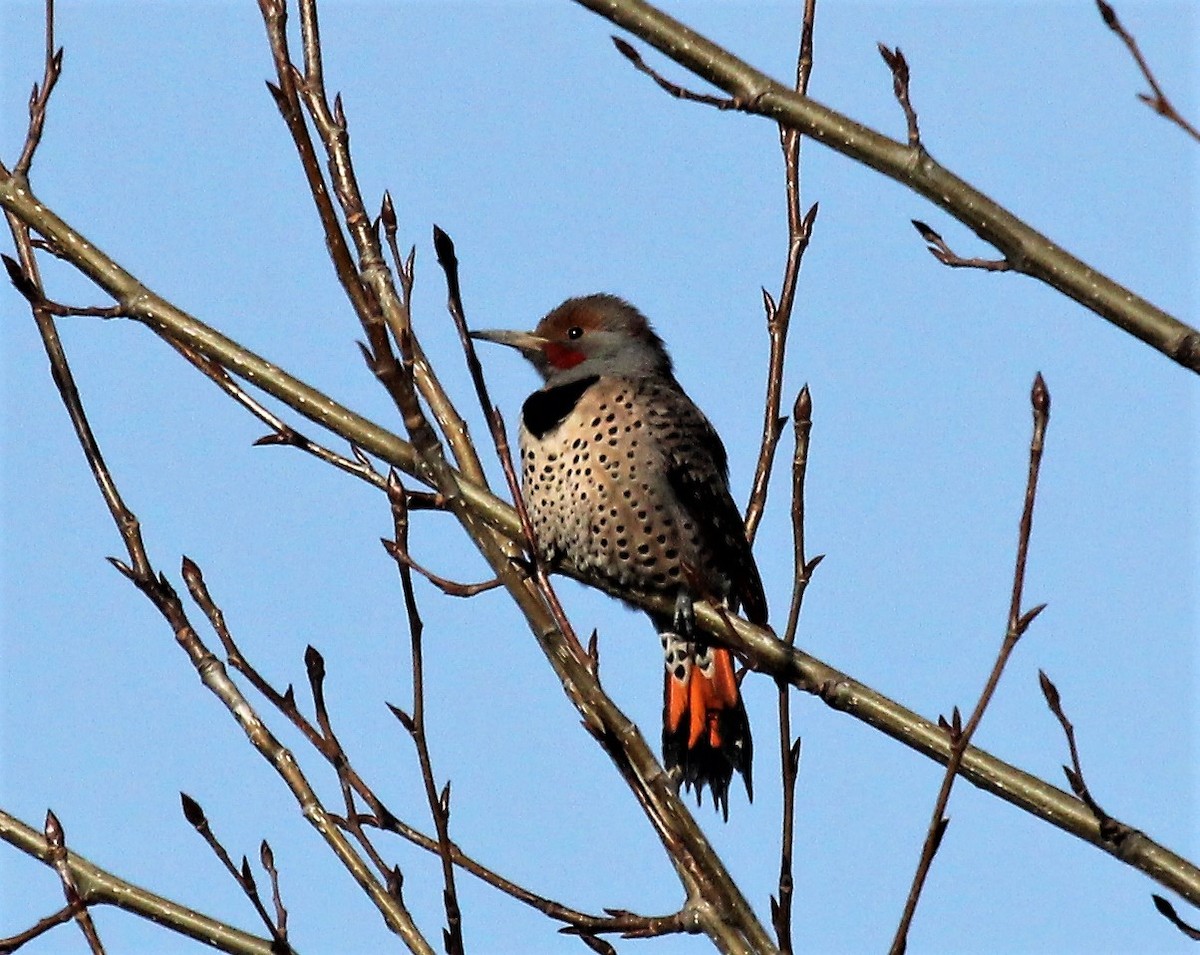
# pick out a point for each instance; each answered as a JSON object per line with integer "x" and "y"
{"x": 626, "y": 482}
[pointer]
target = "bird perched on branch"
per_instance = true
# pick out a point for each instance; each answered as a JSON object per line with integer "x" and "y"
{"x": 626, "y": 481}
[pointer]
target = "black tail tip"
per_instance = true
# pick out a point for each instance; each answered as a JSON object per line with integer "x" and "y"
{"x": 704, "y": 765}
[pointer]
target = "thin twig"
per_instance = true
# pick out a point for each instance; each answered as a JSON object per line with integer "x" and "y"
{"x": 32, "y": 294}
{"x": 58, "y": 858}
{"x": 947, "y": 256}
{"x": 448, "y": 260}
{"x": 281, "y": 433}
{"x": 1167, "y": 911}
{"x": 1018, "y": 623}
{"x": 896, "y": 62}
{"x": 267, "y": 858}
{"x": 39, "y": 98}
{"x": 789, "y": 748}
{"x": 779, "y": 314}
{"x": 40, "y": 927}
{"x": 1157, "y": 99}
{"x": 451, "y": 588}
{"x": 630, "y": 53}
{"x": 198, "y": 820}
{"x": 439, "y": 805}
{"x": 778, "y": 319}
{"x": 1110, "y": 830}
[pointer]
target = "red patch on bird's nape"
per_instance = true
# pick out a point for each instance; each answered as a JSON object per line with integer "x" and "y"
{"x": 563, "y": 356}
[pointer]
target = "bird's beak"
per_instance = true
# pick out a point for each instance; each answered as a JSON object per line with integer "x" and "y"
{"x": 525, "y": 342}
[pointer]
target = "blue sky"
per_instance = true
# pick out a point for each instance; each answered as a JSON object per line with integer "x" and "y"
{"x": 559, "y": 171}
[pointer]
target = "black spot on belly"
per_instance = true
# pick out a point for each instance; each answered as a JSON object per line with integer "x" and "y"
{"x": 545, "y": 410}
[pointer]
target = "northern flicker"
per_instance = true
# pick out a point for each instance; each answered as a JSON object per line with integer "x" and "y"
{"x": 626, "y": 481}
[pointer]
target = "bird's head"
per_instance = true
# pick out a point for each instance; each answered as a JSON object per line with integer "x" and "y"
{"x": 593, "y": 335}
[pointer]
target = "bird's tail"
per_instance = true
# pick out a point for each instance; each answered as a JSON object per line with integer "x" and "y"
{"x": 706, "y": 735}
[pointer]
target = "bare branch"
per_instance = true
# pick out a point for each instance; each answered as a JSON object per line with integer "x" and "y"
{"x": 1029, "y": 251}
{"x": 960, "y": 736}
{"x": 1156, "y": 99}
{"x": 96, "y": 886}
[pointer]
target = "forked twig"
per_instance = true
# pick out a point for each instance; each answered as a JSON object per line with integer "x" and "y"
{"x": 896, "y": 62}
{"x": 243, "y": 876}
{"x": 1018, "y": 623}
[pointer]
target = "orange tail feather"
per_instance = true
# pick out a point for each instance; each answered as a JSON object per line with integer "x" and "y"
{"x": 706, "y": 735}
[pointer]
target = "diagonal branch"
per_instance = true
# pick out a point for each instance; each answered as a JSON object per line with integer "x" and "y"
{"x": 1029, "y": 252}
{"x": 96, "y": 886}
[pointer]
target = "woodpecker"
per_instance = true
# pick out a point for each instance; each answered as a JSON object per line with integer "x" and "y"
{"x": 626, "y": 481}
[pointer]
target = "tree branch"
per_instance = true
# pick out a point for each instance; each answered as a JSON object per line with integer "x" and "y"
{"x": 1027, "y": 250}
{"x": 1157, "y": 100}
{"x": 96, "y": 886}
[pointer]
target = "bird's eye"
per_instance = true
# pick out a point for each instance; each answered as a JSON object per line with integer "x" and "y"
{"x": 574, "y": 332}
